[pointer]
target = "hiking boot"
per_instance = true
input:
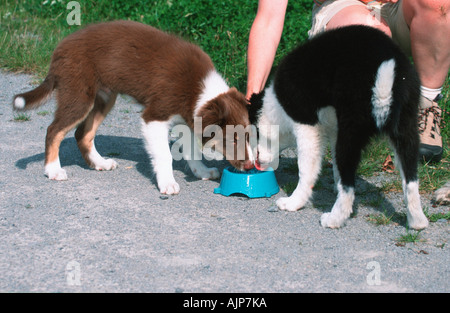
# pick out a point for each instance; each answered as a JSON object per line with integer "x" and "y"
{"x": 430, "y": 149}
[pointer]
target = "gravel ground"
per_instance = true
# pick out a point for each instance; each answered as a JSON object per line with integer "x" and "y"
{"x": 112, "y": 232}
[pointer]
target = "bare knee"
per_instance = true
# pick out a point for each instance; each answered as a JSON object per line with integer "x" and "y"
{"x": 439, "y": 7}
{"x": 427, "y": 9}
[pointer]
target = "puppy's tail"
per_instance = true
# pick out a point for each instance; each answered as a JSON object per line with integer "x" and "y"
{"x": 382, "y": 92}
{"x": 36, "y": 97}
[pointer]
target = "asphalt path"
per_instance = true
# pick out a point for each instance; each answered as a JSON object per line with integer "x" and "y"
{"x": 111, "y": 231}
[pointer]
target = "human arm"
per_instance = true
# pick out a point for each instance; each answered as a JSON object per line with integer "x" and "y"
{"x": 264, "y": 38}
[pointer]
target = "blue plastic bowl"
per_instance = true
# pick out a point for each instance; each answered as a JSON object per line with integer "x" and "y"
{"x": 252, "y": 183}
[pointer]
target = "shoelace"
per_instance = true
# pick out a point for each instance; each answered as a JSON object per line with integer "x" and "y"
{"x": 423, "y": 119}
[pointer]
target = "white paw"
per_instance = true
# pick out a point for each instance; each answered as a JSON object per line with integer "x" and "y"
{"x": 56, "y": 174}
{"x": 331, "y": 220}
{"x": 207, "y": 173}
{"x": 418, "y": 222}
{"x": 288, "y": 204}
{"x": 169, "y": 188}
{"x": 106, "y": 165}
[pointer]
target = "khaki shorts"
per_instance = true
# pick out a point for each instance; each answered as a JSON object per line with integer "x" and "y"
{"x": 392, "y": 13}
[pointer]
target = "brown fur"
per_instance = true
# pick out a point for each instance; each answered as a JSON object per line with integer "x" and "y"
{"x": 162, "y": 72}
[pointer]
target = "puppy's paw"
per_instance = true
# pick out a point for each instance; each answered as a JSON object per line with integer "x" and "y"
{"x": 417, "y": 222}
{"x": 106, "y": 165}
{"x": 288, "y": 204}
{"x": 169, "y": 188}
{"x": 331, "y": 221}
{"x": 56, "y": 174}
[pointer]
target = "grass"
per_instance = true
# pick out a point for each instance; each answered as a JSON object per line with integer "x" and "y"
{"x": 31, "y": 29}
{"x": 289, "y": 187}
{"x": 410, "y": 237}
{"x": 438, "y": 216}
{"x": 43, "y": 113}
{"x": 22, "y": 117}
{"x": 381, "y": 218}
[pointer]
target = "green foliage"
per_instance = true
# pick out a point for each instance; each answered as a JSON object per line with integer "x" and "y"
{"x": 44, "y": 8}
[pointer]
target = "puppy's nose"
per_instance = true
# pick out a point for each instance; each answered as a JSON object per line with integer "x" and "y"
{"x": 248, "y": 165}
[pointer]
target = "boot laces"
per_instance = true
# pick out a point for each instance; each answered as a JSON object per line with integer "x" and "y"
{"x": 436, "y": 121}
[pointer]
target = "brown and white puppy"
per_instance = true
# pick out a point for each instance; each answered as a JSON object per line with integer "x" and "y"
{"x": 173, "y": 79}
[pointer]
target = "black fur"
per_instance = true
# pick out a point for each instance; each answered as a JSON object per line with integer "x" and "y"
{"x": 256, "y": 102}
{"x": 338, "y": 68}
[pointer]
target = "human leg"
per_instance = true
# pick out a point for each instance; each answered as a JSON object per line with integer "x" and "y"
{"x": 429, "y": 24}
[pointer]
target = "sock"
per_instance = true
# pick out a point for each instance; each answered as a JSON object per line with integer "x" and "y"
{"x": 429, "y": 93}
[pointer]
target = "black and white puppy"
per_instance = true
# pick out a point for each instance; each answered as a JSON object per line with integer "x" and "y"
{"x": 345, "y": 86}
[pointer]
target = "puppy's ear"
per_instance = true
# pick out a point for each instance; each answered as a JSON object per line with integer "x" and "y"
{"x": 238, "y": 96}
{"x": 257, "y": 99}
{"x": 254, "y": 108}
{"x": 214, "y": 112}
